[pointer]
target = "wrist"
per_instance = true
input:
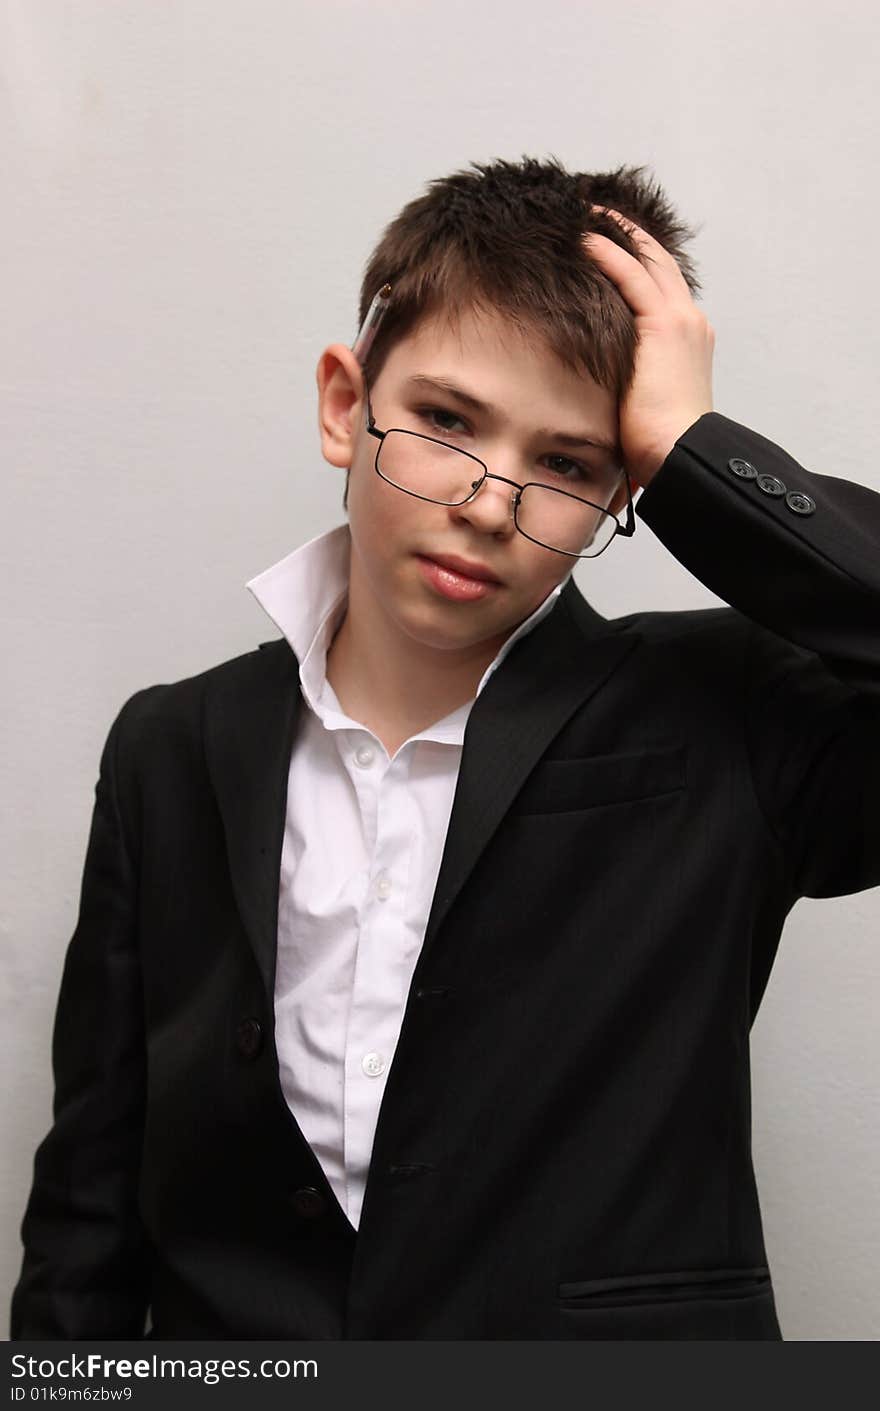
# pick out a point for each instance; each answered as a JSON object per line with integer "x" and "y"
{"x": 651, "y": 462}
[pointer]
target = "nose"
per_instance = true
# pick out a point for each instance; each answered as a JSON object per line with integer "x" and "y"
{"x": 490, "y": 509}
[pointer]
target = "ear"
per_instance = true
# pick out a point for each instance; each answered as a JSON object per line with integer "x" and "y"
{"x": 341, "y": 399}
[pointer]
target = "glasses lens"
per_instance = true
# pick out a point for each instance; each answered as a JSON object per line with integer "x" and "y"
{"x": 554, "y": 518}
{"x": 427, "y": 468}
{"x": 564, "y": 522}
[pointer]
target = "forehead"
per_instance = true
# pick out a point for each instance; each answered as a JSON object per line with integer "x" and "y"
{"x": 511, "y": 372}
{"x": 474, "y": 334}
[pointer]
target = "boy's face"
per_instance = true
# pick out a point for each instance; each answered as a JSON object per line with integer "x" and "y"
{"x": 393, "y": 532}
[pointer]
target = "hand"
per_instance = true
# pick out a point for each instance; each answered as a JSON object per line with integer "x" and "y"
{"x": 672, "y": 383}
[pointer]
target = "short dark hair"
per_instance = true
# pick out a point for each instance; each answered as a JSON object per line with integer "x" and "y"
{"x": 506, "y": 237}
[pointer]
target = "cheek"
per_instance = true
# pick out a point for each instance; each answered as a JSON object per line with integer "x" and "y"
{"x": 384, "y": 522}
{"x": 373, "y": 505}
{"x": 542, "y": 571}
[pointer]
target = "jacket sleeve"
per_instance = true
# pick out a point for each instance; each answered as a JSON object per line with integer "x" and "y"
{"x": 798, "y": 553}
{"x": 85, "y": 1271}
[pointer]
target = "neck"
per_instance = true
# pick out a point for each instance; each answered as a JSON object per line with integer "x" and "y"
{"x": 392, "y": 684}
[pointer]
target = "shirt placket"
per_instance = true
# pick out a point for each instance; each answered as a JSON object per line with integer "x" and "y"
{"x": 380, "y": 964}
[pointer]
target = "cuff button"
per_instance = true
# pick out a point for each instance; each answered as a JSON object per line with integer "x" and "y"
{"x": 800, "y": 503}
{"x": 770, "y": 485}
{"x": 744, "y": 469}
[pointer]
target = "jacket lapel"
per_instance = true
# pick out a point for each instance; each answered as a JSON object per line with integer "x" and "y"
{"x": 251, "y": 713}
{"x": 548, "y": 675}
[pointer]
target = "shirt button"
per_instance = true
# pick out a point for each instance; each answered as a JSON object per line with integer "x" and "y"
{"x": 383, "y": 887}
{"x": 373, "y": 1064}
{"x": 364, "y": 756}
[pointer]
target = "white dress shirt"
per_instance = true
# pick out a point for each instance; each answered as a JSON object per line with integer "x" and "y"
{"x": 363, "y": 842}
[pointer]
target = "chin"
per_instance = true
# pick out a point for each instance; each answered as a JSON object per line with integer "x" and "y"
{"x": 445, "y": 633}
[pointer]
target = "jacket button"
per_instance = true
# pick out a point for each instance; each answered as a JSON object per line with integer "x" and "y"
{"x": 770, "y": 485}
{"x": 249, "y": 1037}
{"x": 744, "y": 469}
{"x": 309, "y": 1202}
{"x": 800, "y": 503}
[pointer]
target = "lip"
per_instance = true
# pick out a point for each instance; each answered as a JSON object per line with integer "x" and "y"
{"x": 453, "y": 583}
{"x": 469, "y": 569}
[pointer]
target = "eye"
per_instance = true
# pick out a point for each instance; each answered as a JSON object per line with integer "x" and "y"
{"x": 427, "y": 415}
{"x": 561, "y": 467}
{"x": 580, "y": 471}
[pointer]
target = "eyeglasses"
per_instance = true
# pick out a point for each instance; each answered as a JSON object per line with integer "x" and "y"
{"x": 556, "y": 518}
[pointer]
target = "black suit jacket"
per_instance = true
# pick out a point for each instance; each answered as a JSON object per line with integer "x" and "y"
{"x": 563, "y": 1146}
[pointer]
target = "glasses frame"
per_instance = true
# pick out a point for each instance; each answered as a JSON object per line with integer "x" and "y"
{"x": 627, "y": 529}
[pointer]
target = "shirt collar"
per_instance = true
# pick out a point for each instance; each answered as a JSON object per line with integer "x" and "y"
{"x": 305, "y": 594}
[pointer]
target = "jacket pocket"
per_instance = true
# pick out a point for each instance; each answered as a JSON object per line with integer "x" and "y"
{"x": 672, "y": 1286}
{"x": 563, "y": 785}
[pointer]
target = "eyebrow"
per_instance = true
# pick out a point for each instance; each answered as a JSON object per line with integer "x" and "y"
{"x": 443, "y": 384}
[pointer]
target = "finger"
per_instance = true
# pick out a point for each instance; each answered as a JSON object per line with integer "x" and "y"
{"x": 665, "y": 267}
{"x": 643, "y": 293}
{"x": 647, "y": 244}
{"x": 634, "y": 231}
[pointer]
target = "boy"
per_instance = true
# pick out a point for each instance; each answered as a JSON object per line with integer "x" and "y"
{"x": 456, "y": 819}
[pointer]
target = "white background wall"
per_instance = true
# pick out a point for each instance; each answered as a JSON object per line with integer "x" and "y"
{"x": 190, "y": 192}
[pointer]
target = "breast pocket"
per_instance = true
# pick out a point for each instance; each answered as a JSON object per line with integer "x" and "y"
{"x": 665, "y": 1288}
{"x": 563, "y": 785}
